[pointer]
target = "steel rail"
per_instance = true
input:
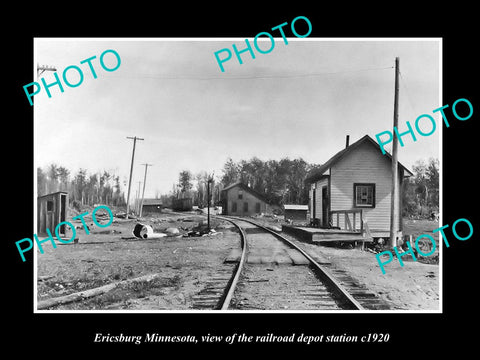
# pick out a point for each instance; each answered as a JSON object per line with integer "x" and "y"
{"x": 234, "y": 281}
{"x": 324, "y": 274}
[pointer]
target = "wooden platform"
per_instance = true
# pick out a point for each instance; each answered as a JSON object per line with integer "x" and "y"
{"x": 311, "y": 234}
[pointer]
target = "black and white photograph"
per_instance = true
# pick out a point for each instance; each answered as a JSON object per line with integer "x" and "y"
{"x": 224, "y": 180}
{"x": 177, "y": 186}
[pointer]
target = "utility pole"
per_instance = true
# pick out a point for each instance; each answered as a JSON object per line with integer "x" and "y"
{"x": 42, "y": 68}
{"x": 137, "y": 205}
{"x": 209, "y": 181}
{"x": 131, "y": 171}
{"x": 393, "y": 208}
{"x": 143, "y": 192}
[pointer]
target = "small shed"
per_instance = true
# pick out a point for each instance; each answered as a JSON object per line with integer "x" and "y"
{"x": 152, "y": 206}
{"x": 295, "y": 212}
{"x": 51, "y": 211}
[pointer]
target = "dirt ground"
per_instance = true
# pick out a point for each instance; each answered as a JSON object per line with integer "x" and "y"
{"x": 112, "y": 255}
{"x": 184, "y": 265}
{"x": 415, "y": 286}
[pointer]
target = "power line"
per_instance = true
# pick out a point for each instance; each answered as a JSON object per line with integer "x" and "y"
{"x": 160, "y": 77}
{"x": 407, "y": 92}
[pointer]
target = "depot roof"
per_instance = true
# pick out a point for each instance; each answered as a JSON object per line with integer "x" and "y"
{"x": 316, "y": 174}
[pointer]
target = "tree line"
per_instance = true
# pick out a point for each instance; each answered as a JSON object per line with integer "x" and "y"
{"x": 283, "y": 182}
{"x": 421, "y": 191}
{"x": 83, "y": 188}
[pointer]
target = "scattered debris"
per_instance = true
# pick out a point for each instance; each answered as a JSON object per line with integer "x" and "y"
{"x": 113, "y": 231}
{"x": 80, "y": 227}
{"x": 201, "y": 230}
{"x": 45, "y": 278}
{"x": 146, "y": 232}
{"x": 45, "y": 304}
{"x": 124, "y": 216}
{"x": 172, "y": 231}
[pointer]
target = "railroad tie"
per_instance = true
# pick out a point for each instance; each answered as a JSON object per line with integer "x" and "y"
{"x": 282, "y": 258}
{"x": 297, "y": 257}
{"x": 234, "y": 256}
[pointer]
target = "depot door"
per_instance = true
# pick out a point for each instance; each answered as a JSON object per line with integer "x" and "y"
{"x": 324, "y": 206}
{"x": 63, "y": 212}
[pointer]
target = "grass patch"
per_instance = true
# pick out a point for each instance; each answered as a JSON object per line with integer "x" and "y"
{"x": 420, "y": 227}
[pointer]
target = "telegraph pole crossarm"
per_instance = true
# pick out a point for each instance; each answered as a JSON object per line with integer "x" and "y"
{"x": 44, "y": 68}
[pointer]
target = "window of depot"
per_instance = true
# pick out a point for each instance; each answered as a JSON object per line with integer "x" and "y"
{"x": 364, "y": 195}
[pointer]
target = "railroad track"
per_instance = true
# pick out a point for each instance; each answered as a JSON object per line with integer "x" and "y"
{"x": 266, "y": 271}
{"x": 273, "y": 273}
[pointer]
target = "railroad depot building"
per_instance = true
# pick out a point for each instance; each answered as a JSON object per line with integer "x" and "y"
{"x": 354, "y": 186}
{"x": 239, "y": 199}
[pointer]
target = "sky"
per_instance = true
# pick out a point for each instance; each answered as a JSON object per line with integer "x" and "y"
{"x": 299, "y": 100}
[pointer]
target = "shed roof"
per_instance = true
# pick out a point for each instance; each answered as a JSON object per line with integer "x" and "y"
{"x": 152, "y": 202}
{"x": 295, "y": 207}
{"x": 316, "y": 174}
{"x": 51, "y": 194}
{"x": 246, "y": 188}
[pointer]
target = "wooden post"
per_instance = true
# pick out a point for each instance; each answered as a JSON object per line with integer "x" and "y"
{"x": 131, "y": 171}
{"x": 209, "y": 181}
{"x": 361, "y": 221}
{"x": 143, "y": 192}
{"x": 393, "y": 209}
{"x": 137, "y": 201}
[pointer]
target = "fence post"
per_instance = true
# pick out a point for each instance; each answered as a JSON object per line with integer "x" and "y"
{"x": 361, "y": 221}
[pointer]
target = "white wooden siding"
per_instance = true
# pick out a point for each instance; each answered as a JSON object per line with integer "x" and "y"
{"x": 364, "y": 165}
